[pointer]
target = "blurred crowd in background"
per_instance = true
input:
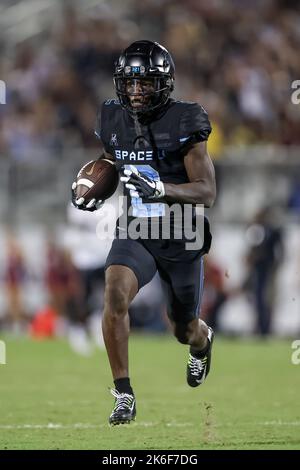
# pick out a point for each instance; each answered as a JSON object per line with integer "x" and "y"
{"x": 238, "y": 58}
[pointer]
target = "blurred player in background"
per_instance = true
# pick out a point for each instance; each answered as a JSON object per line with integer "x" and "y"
{"x": 14, "y": 277}
{"x": 159, "y": 146}
{"x": 88, "y": 256}
{"x": 264, "y": 259}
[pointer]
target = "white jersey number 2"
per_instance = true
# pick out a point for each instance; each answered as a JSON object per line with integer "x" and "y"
{"x": 145, "y": 209}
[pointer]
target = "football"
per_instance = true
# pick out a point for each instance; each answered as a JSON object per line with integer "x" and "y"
{"x": 97, "y": 179}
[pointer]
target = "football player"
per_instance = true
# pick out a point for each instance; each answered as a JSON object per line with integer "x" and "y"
{"x": 159, "y": 146}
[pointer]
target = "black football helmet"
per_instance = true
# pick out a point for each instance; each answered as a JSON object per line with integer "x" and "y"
{"x": 144, "y": 62}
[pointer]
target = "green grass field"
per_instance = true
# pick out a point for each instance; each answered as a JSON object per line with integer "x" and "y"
{"x": 51, "y": 398}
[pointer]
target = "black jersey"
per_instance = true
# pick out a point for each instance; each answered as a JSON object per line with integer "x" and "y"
{"x": 160, "y": 143}
{"x": 157, "y": 147}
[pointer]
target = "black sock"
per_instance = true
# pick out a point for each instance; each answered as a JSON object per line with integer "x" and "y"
{"x": 200, "y": 353}
{"x": 123, "y": 385}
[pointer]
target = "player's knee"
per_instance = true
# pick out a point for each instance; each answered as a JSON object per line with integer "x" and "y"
{"x": 115, "y": 299}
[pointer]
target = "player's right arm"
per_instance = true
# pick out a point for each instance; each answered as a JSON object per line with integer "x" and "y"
{"x": 92, "y": 205}
{"x": 98, "y": 133}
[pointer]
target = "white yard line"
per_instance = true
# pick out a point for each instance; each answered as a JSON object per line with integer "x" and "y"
{"x": 87, "y": 425}
{"x": 280, "y": 423}
{"x": 142, "y": 424}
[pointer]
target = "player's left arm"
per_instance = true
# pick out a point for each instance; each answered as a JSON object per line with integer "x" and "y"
{"x": 202, "y": 186}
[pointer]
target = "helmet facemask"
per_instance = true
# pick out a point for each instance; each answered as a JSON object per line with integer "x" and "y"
{"x": 142, "y": 95}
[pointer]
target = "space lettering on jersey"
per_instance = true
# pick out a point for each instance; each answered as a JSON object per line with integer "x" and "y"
{"x": 138, "y": 156}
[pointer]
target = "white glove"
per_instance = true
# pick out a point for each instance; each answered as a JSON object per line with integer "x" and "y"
{"x": 79, "y": 203}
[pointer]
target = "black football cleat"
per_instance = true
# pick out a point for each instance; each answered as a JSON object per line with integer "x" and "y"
{"x": 198, "y": 368}
{"x": 124, "y": 410}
